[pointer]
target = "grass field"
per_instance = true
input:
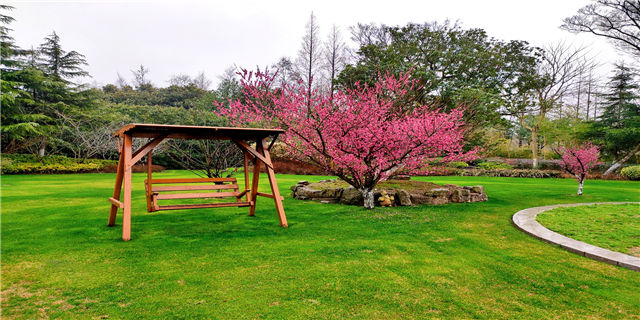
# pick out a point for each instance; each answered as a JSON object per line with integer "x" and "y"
{"x": 613, "y": 227}
{"x": 333, "y": 262}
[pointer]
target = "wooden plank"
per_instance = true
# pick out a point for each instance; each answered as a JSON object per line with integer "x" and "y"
{"x": 116, "y": 202}
{"x": 205, "y": 205}
{"x": 254, "y": 186}
{"x": 274, "y": 186}
{"x": 196, "y": 195}
{"x": 117, "y": 188}
{"x": 126, "y": 197}
{"x": 200, "y": 187}
{"x": 147, "y": 182}
{"x": 246, "y": 172}
{"x": 241, "y": 194}
{"x": 192, "y": 180}
{"x": 254, "y": 152}
{"x": 145, "y": 149}
{"x": 268, "y": 195}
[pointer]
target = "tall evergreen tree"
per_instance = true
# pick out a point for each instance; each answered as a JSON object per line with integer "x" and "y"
{"x": 617, "y": 130}
{"x": 56, "y": 61}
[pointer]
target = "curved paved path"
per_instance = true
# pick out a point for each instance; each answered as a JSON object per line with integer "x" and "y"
{"x": 525, "y": 220}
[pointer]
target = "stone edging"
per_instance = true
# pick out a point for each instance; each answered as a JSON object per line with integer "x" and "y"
{"x": 525, "y": 220}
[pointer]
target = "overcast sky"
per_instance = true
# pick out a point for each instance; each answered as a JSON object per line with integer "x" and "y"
{"x": 192, "y": 36}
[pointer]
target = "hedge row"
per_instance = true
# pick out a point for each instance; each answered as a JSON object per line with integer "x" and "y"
{"x": 28, "y": 164}
{"x": 513, "y": 173}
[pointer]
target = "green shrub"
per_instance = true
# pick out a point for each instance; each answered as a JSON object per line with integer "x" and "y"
{"x": 514, "y": 173}
{"x": 457, "y": 164}
{"x": 28, "y": 164}
{"x": 493, "y": 165}
{"x": 631, "y": 172}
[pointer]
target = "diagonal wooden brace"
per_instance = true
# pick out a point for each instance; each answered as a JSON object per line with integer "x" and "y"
{"x": 145, "y": 149}
{"x": 246, "y": 147}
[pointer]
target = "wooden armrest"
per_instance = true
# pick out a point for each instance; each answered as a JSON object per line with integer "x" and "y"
{"x": 241, "y": 194}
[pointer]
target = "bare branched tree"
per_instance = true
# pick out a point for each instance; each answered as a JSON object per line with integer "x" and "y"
{"x": 308, "y": 61}
{"x": 335, "y": 57}
{"x": 286, "y": 73}
{"x": 558, "y": 75}
{"x": 201, "y": 81}
{"x": 121, "y": 82}
{"x": 180, "y": 80}
{"x": 616, "y": 20}
{"x": 140, "y": 77}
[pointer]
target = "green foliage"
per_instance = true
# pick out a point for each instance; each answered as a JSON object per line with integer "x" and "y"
{"x": 617, "y": 130}
{"x": 29, "y": 164}
{"x": 513, "y": 173}
{"x": 453, "y": 66}
{"x": 220, "y": 263}
{"x": 494, "y": 165}
{"x": 458, "y": 164}
{"x": 631, "y": 172}
{"x": 58, "y": 62}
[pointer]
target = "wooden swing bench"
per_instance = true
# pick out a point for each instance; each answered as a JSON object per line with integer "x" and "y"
{"x": 194, "y": 188}
{"x": 202, "y": 184}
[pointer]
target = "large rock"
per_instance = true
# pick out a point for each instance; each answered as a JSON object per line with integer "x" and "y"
{"x": 428, "y": 194}
{"x": 403, "y": 198}
{"x": 352, "y": 196}
{"x": 461, "y": 195}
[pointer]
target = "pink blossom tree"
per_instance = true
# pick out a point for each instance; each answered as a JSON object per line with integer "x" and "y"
{"x": 360, "y": 135}
{"x": 578, "y": 161}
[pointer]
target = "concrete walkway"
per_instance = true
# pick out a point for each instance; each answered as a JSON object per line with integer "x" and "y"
{"x": 525, "y": 220}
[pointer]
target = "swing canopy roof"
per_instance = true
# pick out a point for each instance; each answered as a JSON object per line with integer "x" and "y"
{"x": 145, "y": 130}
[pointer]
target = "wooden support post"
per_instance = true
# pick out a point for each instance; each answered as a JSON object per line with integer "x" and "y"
{"x": 246, "y": 174}
{"x": 147, "y": 186}
{"x": 274, "y": 184}
{"x": 126, "y": 197}
{"x": 254, "y": 184}
{"x": 117, "y": 188}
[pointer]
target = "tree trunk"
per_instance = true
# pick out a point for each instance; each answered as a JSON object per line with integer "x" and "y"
{"x": 43, "y": 145}
{"x": 369, "y": 201}
{"x": 534, "y": 147}
{"x": 580, "y": 184}
{"x": 618, "y": 163}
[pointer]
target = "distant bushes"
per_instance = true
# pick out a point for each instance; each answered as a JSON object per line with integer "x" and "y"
{"x": 494, "y": 165}
{"x": 27, "y": 163}
{"x": 631, "y": 172}
{"x": 512, "y": 173}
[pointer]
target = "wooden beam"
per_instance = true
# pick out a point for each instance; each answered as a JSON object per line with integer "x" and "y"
{"x": 117, "y": 188}
{"x": 254, "y": 185}
{"x": 268, "y": 195}
{"x": 196, "y": 195}
{"x": 192, "y": 180}
{"x": 274, "y": 185}
{"x": 147, "y": 182}
{"x": 116, "y": 202}
{"x": 244, "y": 146}
{"x": 205, "y": 205}
{"x": 146, "y": 149}
{"x": 126, "y": 197}
{"x": 200, "y": 187}
{"x": 246, "y": 172}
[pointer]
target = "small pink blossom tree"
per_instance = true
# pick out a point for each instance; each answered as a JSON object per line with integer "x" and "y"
{"x": 360, "y": 135}
{"x": 578, "y": 161}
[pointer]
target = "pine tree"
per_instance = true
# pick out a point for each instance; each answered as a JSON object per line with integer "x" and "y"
{"x": 621, "y": 102}
{"x": 56, "y": 61}
{"x": 617, "y": 130}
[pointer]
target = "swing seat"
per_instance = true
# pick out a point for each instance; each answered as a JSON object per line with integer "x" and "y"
{"x": 171, "y": 189}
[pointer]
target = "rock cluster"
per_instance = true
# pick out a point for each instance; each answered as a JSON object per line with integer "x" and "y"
{"x": 400, "y": 197}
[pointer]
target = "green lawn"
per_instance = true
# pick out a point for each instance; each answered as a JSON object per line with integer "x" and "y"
{"x": 613, "y": 227}
{"x": 453, "y": 261}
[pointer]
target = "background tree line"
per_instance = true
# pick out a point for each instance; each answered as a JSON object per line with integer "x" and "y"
{"x": 520, "y": 100}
